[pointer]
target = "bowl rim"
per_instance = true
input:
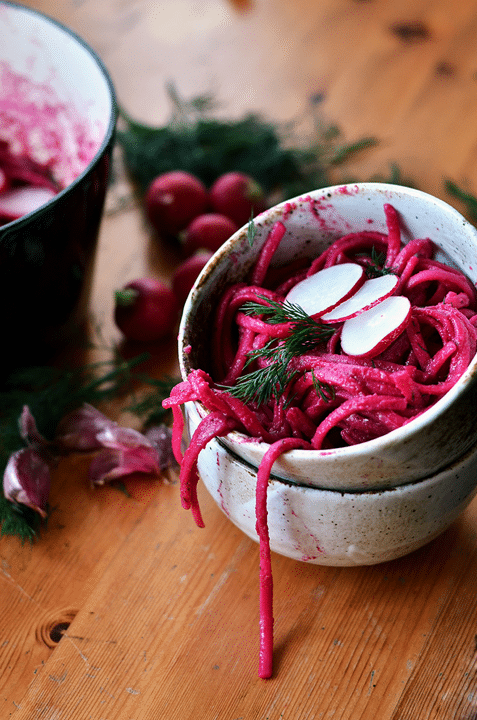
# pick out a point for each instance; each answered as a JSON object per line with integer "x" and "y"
{"x": 401, "y": 489}
{"x": 402, "y": 433}
{"x": 109, "y": 131}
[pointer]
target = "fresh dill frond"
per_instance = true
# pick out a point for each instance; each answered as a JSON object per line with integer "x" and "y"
{"x": 393, "y": 177}
{"x": 272, "y": 309}
{"x": 149, "y": 408}
{"x": 375, "y": 264}
{"x": 272, "y": 380}
{"x": 184, "y": 110}
{"x": 251, "y": 230}
{"x": 19, "y": 521}
{"x": 261, "y": 385}
{"x": 306, "y": 335}
{"x": 267, "y": 352}
{"x": 324, "y": 390}
{"x": 306, "y": 331}
{"x": 343, "y": 152}
{"x": 276, "y": 155}
{"x": 277, "y": 312}
{"x": 468, "y": 199}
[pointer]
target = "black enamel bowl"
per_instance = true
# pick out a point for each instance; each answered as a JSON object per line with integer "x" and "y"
{"x": 56, "y": 98}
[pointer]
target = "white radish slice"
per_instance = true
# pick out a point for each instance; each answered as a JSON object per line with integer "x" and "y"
{"x": 19, "y": 201}
{"x": 372, "y": 331}
{"x": 322, "y": 291}
{"x": 369, "y": 294}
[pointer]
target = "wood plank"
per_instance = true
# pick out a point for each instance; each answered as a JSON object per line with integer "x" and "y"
{"x": 346, "y": 639}
{"x": 45, "y": 584}
{"x": 159, "y": 618}
{"x": 443, "y": 682}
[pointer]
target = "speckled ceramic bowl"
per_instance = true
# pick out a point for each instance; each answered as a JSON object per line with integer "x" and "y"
{"x": 56, "y": 95}
{"x": 331, "y": 527}
{"x": 419, "y": 450}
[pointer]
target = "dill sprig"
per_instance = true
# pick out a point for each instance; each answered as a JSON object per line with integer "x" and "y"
{"x": 195, "y": 140}
{"x": 18, "y": 520}
{"x": 376, "y": 264}
{"x": 324, "y": 390}
{"x": 251, "y": 230}
{"x": 276, "y": 312}
{"x": 468, "y": 199}
{"x": 259, "y": 386}
{"x": 306, "y": 333}
{"x": 343, "y": 152}
{"x": 272, "y": 380}
{"x": 149, "y": 407}
{"x": 395, "y": 176}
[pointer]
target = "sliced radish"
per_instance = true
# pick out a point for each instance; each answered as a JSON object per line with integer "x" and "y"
{"x": 22, "y": 200}
{"x": 322, "y": 291}
{"x": 372, "y": 331}
{"x": 371, "y": 293}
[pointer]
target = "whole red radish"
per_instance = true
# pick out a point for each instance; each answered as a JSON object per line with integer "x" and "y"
{"x": 173, "y": 199}
{"x": 145, "y": 310}
{"x": 208, "y": 231}
{"x": 237, "y": 195}
{"x": 187, "y": 273}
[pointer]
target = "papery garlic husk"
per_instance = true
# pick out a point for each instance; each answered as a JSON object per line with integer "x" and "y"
{"x": 27, "y": 479}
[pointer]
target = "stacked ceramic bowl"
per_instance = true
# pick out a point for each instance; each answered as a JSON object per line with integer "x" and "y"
{"x": 361, "y": 504}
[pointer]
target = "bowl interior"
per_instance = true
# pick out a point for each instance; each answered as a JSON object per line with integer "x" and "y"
{"x": 50, "y": 78}
{"x": 428, "y": 443}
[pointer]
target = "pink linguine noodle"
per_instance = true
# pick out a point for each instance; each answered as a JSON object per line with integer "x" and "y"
{"x": 369, "y": 398}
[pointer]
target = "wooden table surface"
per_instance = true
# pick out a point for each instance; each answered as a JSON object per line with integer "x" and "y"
{"x": 124, "y": 609}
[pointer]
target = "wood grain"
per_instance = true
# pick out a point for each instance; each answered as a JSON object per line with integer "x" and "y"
{"x": 124, "y": 609}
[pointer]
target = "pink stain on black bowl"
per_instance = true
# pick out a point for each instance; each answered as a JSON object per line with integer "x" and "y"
{"x": 58, "y": 111}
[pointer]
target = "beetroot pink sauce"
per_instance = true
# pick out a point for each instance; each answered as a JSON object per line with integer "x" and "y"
{"x": 44, "y": 142}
